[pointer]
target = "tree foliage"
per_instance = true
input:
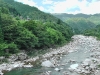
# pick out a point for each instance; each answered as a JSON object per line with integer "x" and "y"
{"x": 93, "y": 32}
{"x": 17, "y": 34}
{"x": 79, "y": 25}
{"x": 48, "y": 33}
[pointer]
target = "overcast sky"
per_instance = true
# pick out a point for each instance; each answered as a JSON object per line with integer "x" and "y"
{"x": 65, "y": 6}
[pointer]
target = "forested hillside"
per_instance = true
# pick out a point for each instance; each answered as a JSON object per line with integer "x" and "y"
{"x": 93, "y": 32}
{"x": 31, "y": 12}
{"x": 65, "y": 16}
{"x": 80, "y": 22}
{"x": 93, "y": 18}
{"x": 28, "y": 34}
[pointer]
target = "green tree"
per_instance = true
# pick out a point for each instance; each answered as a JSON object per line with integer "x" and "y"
{"x": 26, "y": 40}
{"x": 54, "y": 37}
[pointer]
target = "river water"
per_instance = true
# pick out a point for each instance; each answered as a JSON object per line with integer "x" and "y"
{"x": 81, "y": 49}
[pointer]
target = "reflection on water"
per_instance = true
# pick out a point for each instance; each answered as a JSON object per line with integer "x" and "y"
{"x": 25, "y": 71}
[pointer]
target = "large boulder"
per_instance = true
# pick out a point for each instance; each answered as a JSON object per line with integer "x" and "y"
{"x": 13, "y": 57}
{"x": 2, "y": 58}
{"x": 22, "y": 56}
{"x": 57, "y": 69}
{"x": 74, "y": 66}
{"x": 47, "y": 63}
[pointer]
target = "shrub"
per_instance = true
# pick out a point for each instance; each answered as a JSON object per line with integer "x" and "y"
{"x": 6, "y": 49}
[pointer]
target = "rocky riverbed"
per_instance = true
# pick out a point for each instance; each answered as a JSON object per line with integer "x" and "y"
{"x": 80, "y": 56}
{"x": 85, "y": 64}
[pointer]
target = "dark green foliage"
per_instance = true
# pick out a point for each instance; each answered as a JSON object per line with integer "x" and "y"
{"x": 17, "y": 34}
{"x": 12, "y": 48}
{"x": 3, "y": 46}
{"x": 63, "y": 28}
{"x": 12, "y": 32}
{"x": 1, "y": 35}
{"x": 25, "y": 39}
{"x": 8, "y": 48}
{"x": 54, "y": 36}
{"x": 49, "y": 34}
{"x": 93, "y": 32}
{"x": 7, "y": 8}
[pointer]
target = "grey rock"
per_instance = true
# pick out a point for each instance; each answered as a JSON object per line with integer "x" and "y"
{"x": 47, "y": 63}
{"x": 22, "y": 56}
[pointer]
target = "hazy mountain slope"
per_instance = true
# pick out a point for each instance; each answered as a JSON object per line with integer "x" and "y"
{"x": 79, "y": 25}
{"x": 79, "y": 22}
{"x": 64, "y": 16}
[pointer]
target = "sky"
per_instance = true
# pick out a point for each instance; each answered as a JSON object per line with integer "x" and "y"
{"x": 65, "y": 6}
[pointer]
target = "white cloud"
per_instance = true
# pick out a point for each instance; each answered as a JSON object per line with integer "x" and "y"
{"x": 85, "y": 6}
{"x": 47, "y": 1}
{"x": 63, "y": 6}
{"x": 31, "y": 3}
{"x": 92, "y": 7}
{"x": 41, "y": 8}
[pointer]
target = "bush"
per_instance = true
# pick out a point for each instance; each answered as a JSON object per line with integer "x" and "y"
{"x": 12, "y": 48}
{"x": 3, "y": 46}
{"x": 6, "y": 49}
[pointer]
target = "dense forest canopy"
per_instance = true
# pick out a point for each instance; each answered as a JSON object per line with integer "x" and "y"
{"x": 17, "y": 32}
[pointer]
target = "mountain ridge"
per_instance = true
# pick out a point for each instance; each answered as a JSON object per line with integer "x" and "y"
{"x": 31, "y": 11}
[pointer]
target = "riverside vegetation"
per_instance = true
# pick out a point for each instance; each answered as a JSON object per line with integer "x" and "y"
{"x": 21, "y": 30}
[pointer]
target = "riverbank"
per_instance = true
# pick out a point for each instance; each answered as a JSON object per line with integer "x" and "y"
{"x": 14, "y": 62}
{"x": 53, "y": 56}
{"x": 86, "y": 63}
{"x": 89, "y": 60}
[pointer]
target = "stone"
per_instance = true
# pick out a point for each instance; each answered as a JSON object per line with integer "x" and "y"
{"x": 47, "y": 63}
{"x": 74, "y": 66}
{"x": 13, "y": 57}
{"x": 57, "y": 69}
{"x": 22, "y": 56}
{"x": 2, "y": 58}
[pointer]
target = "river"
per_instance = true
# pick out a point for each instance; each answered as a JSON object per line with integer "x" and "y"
{"x": 79, "y": 49}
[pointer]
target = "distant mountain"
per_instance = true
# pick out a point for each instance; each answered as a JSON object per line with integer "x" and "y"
{"x": 79, "y": 25}
{"x": 79, "y": 22}
{"x": 64, "y": 16}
